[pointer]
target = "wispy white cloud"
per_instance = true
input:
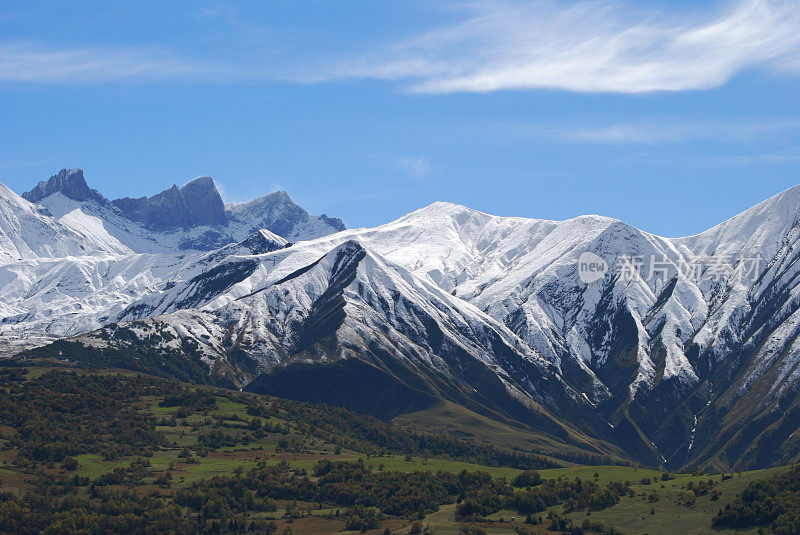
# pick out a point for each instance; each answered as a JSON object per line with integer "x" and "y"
{"x": 585, "y": 46}
{"x": 740, "y": 131}
{"x": 595, "y": 46}
{"x": 26, "y": 62}
{"x": 757, "y": 160}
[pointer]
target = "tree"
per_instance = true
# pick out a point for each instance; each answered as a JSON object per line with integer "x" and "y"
{"x": 527, "y": 478}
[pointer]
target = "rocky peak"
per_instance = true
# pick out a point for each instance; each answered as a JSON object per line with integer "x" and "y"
{"x": 68, "y": 182}
{"x": 195, "y": 204}
{"x": 183, "y": 209}
{"x": 275, "y": 212}
{"x": 203, "y": 202}
{"x": 278, "y": 213}
{"x": 334, "y": 222}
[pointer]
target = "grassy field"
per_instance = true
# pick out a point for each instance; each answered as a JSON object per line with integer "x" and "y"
{"x": 667, "y": 516}
{"x": 93, "y": 466}
{"x": 656, "y": 508}
{"x": 400, "y": 464}
{"x": 606, "y": 474}
{"x": 634, "y": 515}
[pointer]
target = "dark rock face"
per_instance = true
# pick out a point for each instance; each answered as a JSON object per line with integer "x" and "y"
{"x": 335, "y": 222}
{"x": 70, "y": 183}
{"x": 197, "y": 203}
{"x": 203, "y": 203}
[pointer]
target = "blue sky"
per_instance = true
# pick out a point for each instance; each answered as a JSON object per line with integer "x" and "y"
{"x": 672, "y": 116}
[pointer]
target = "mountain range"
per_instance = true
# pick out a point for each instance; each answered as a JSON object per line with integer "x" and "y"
{"x": 595, "y": 335}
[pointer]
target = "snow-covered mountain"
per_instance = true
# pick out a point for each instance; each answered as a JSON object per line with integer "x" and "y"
{"x": 74, "y": 259}
{"x": 683, "y": 351}
{"x": 27, "y": 231}
{"x": 188, "y": 218}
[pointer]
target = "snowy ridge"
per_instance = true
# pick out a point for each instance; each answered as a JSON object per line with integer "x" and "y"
{"x": 441, "y": 300}
{"x": 27, "y": 233}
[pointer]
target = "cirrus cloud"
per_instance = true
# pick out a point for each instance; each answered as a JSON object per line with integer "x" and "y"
{"x": 596, "y": 46}
{"x": 30, "y": 62}
{"x": 589, "y": 46}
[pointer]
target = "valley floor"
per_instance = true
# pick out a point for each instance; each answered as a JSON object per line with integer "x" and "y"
{"x": 158, "y": 438}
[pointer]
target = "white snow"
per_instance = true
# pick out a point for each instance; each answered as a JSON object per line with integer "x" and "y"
{"x": 84, "y": 265}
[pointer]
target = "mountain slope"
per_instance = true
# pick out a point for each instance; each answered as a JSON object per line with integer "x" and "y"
{"x": 26, "y": 232}
{"x": 684, "y": 352}
{"x": 350, "y": 329}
